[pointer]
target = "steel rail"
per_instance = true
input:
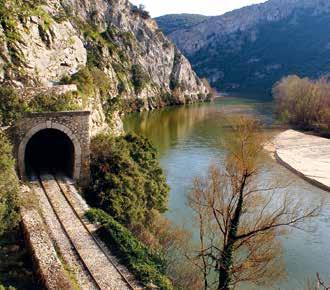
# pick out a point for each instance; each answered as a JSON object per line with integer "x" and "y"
{"x": 100, "y": 247}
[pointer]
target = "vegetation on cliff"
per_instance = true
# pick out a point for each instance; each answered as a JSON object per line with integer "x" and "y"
{"x": 304, "y": 103}
{"x": 9, "y": 186}
{"x": 72, "y": 41}
{"x": 13, "y": 105}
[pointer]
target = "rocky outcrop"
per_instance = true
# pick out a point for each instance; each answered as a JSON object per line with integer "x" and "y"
{"x": 256, "y": 45}
{"x": 44, "y": 43}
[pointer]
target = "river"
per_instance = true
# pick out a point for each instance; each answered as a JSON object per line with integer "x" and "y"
{"x": 188, "y": 139}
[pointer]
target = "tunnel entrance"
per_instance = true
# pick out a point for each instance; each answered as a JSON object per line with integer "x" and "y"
{"x": 49, "y": 151}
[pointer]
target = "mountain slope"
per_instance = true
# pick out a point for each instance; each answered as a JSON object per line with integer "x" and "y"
{"x": 109, "y": 43}
{"x": 253, "y": 47}
{"x": 173, "y": 22}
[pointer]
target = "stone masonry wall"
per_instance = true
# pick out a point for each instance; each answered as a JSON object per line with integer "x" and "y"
{"x": 74, "y": 124}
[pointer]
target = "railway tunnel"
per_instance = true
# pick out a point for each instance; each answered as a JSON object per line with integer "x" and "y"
{"x": 53, "y": 142}
{"x": 49, "y": 151}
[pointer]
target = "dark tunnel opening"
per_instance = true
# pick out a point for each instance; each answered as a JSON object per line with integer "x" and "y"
{"x": 49, "y": 151}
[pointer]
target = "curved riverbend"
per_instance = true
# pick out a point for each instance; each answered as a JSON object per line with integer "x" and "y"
{"x": 188, "y": 139}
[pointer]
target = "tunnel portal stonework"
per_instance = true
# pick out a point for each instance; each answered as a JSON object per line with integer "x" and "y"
{"x": 75, "y": 125}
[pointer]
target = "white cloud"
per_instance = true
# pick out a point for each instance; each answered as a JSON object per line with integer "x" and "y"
{"x": 205, "y": 7}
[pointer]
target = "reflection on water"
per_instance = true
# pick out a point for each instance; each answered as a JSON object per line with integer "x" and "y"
{"x": 189, "y": 140}
{"x": 165, "y": 126}
{"x": 169, "y": 126}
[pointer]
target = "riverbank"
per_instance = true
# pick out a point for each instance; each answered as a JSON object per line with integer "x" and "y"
{"x": 306, "y": 155}
{"x": 189, "y": 139}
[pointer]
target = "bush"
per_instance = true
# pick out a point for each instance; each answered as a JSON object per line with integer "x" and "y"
{"x": 139, "y": 78}
{"x": 7, "y": 288}
{"x": 126, "y": 179}
{"x": 84, "y": 81}
{"x": 93, "y": 81}
{"x": 53, "y": 103}
{"x": 11, "y": 106}
{"x": 9, "y": 187}
{"x": 146, "y": 266}
{"x": 89, "y": 80}
{"x": 140, "y": 11}
{"x": 303, "y": 103}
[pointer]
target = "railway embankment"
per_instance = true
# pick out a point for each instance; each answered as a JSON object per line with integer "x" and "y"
{"x": 46, "y": 262}
{"x": 66, "y": 253}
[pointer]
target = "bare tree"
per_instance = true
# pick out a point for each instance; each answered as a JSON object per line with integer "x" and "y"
{"x": 319, "y": 284}
{"x": 240, "y": 215}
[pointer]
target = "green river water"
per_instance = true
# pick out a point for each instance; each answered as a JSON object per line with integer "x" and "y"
{"x": 188, "y": 139}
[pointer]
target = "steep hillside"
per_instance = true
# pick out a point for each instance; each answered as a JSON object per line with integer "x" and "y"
{"x": 173, "y": 22}
{"x": 251, "y": 48}
{"x": 108, "y": 48}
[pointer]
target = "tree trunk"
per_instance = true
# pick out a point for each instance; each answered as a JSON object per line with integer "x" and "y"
{"x": 224, "y": 269}
{"x": 227, "y": 254}
{"x": 201, "y": 237}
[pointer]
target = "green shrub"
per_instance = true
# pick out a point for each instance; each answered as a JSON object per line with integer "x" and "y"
{"x": 140, "y": 10}
{"x": 101, "y": 82}
{"x": 84, "y": 81}
{"x": 89, "y": 81}
{"x": 126, "y": 179}
{"x": 12, "y": 107}
{"x": 9, "y": 187}
{"x": 53, "y": 103}
{"x": 139, "y": 78}
{"x": 146, "y": 266}
{"x": 7, "y": 288}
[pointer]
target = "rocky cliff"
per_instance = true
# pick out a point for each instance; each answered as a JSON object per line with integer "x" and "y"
{"x": 253, "y": 47}
{"x": 109, "y": 48}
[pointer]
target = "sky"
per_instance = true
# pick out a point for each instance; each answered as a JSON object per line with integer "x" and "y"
{"x": 205, "y": 7}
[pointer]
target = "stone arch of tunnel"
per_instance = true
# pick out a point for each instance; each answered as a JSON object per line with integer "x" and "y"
{"x": 50, "y": 149}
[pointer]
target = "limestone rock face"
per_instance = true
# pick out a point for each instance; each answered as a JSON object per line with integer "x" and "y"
{"x": 193, "y": 39}
{"x": 148, "y": 47}
{"x": 55, "y": 39}
{"x": 61, "y": 53}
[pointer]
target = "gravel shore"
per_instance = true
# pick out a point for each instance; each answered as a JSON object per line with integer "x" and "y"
{"x": 306, "y": 155}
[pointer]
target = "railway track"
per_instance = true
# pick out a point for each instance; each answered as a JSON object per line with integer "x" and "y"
{"x": 98, "y": 263}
